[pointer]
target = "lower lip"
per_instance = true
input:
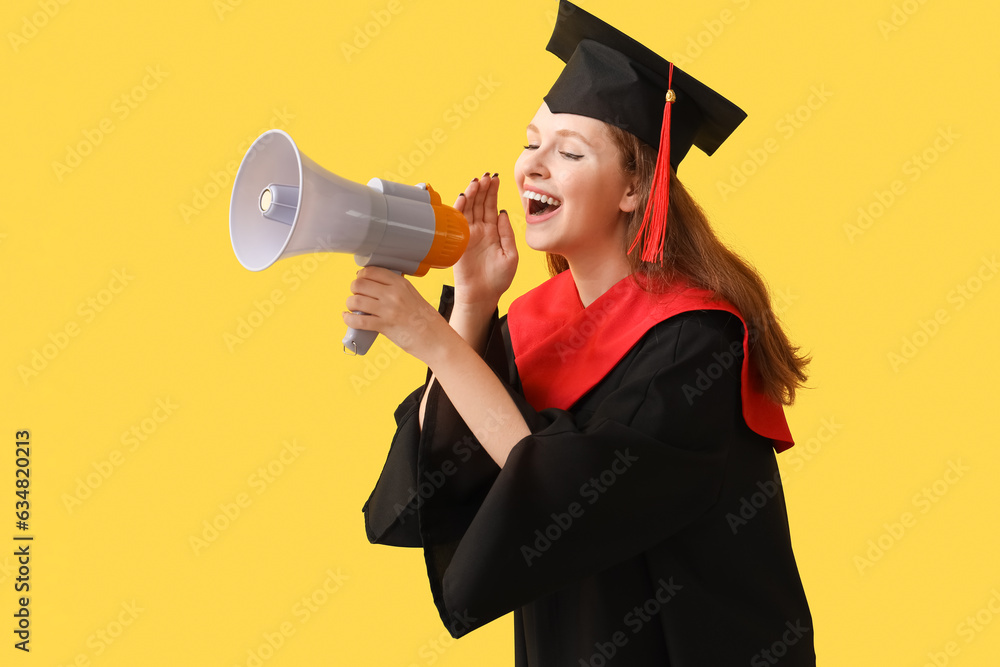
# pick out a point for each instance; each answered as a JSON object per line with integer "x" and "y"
{"x": 533, "y": 219}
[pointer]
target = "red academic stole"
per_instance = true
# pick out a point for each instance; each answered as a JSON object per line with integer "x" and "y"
{"x": 562, "y": 350}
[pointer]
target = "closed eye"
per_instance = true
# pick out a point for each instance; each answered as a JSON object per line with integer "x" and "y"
{"x": 567, "y": 155}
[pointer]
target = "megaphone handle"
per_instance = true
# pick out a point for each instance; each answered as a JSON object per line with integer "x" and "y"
{"x": 359, "y": 341}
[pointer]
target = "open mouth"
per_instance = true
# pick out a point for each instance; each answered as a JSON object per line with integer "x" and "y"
{"x": 539, "y": 204}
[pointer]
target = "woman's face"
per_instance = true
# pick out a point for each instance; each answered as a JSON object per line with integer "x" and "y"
{"x": 572, "y": 160}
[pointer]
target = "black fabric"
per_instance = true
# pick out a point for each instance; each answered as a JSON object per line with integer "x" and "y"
{"x": 645, "y": 526}
{"x": 613, "y": 78}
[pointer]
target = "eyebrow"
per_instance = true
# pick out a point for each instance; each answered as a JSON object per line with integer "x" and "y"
{"x": 566, "y": 133}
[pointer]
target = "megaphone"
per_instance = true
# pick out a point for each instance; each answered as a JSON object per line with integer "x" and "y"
{"x": 284, "y": 204}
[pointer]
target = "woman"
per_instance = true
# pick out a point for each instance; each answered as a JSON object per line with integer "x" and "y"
{"x": 601, "y": 460}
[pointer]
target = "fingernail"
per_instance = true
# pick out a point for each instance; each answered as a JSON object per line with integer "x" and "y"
{"x": 486, "y": 174}
{"x": 504, "y": 211}
{"x": 496, "y": 174}
{"x": 461, "y": 194}
{"x": 474, "y": 180}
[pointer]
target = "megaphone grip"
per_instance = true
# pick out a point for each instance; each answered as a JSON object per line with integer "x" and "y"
{"x": 359, "y": 341}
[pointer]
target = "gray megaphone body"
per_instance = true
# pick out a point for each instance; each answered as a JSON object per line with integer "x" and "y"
{"x": 284, "y": 204}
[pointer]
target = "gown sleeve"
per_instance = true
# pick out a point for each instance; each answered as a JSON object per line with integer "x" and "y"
{"x": 446, "y": 461}
{"x": 635, "y": 461}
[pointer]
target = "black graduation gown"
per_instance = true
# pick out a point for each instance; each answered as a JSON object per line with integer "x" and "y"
{"x": 644, "y": 526}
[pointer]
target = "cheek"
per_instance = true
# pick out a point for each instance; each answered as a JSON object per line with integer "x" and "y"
{"x": 595, "y": 194}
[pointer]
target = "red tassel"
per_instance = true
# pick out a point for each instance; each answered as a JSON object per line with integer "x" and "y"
{"x": 654, "y": 222}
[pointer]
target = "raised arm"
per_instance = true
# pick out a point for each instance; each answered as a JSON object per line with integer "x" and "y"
{"x": 453, "y": 353}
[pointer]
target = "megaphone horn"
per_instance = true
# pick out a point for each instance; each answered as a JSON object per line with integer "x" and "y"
{"x": 284, "y": 204}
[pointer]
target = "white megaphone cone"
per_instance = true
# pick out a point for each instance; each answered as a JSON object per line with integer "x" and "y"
{"x": 285, "y": 204}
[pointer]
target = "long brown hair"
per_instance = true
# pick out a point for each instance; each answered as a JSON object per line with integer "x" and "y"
{"x": 693, "y": 252}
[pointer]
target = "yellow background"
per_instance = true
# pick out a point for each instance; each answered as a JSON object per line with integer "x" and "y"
{"x": 120, "y": 286}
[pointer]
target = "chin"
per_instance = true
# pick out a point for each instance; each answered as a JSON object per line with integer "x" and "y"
{"x": 538, "y": 241}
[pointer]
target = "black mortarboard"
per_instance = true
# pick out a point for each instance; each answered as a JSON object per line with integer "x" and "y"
{"x": 613, "y": 78}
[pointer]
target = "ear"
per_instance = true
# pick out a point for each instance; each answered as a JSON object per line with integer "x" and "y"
{"x": 630, "y": 197}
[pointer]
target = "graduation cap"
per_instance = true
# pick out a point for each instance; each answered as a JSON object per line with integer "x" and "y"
{"x": 613, "y": 78}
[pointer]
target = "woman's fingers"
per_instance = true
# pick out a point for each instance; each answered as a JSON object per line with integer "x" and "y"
{"x": 362, "y": 302}
{"x": 375, "y": 294}
{"x": 467, "y": 200}
{"x": 479, "y": 203}
{"x": 490, "y": 212}
{"x": 386, "y": 302}
{"x": 506, "y": 233}
{"x": 361, "y": 321}
{"x": 375, "y": 275}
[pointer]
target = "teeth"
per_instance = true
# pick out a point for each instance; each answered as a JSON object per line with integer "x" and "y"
{"x": 542, "y": 198}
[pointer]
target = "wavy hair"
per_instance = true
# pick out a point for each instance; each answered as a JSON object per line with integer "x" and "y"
{"x": 693, "y": 252}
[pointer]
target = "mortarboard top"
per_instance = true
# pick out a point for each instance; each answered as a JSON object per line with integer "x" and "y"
{"x": 613, "y": 78}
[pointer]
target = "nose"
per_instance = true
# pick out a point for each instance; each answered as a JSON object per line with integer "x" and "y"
{"x": 533, "y": 163}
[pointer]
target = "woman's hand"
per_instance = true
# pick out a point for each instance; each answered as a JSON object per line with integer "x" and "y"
{"x": 395, "y": 309}
{"x": 487, "y": 268}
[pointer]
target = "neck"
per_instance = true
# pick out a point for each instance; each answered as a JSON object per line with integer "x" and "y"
{"x": 595, "y": 277}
